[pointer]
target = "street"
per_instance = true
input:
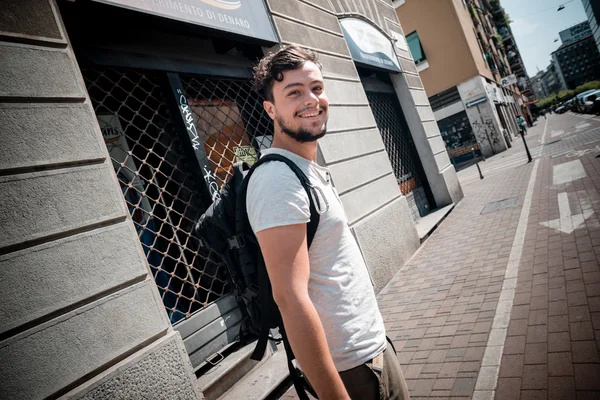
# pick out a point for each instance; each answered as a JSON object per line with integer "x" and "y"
{"x": 503, "y": 300}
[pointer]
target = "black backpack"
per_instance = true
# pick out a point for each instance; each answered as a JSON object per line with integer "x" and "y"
{"x": 225, "y": 229}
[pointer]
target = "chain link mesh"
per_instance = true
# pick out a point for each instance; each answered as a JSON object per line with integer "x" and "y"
{"x": 400, "y": 147}
{"x": 157, "y": 186}
{"x": 231, "y": 121}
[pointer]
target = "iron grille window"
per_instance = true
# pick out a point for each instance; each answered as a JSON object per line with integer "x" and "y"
{"x": 400, "y": 147}
{"x": 157, "y": 186}
{"x": 231, "y": 121}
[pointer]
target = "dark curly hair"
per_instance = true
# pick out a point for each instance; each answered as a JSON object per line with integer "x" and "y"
{"x": 272, "y": 66}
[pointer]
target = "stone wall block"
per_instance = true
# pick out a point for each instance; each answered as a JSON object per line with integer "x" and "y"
{"x": 358, "y": 171}
{"x": 44, "y": 360}
{"x": 341, "y": 146}
{"x": 366, "y": 199}
{"x": 345, "y": 93}
{"x": 336, "y": 67}
{"x": 35, "y": 72}
{"x": 298, "y": 33}
{"x": 51, "y": 202}
{"x": 36, "y": 135}
{"x": 30, "y": 19}
{"x": 46, "y": 278}
{"x": 385, "y": 250}
{"x": 346, "y": 118}
{"x": 305, "y": 13}
{"x": 159, "y": 371}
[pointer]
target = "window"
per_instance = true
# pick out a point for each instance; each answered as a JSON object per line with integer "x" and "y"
{"x": 414, "y": 44}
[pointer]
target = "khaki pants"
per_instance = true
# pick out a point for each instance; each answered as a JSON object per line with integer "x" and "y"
{"x": 367, "y": 383}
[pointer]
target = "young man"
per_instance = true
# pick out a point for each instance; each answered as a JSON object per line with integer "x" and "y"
{"x": 324, "y": 294}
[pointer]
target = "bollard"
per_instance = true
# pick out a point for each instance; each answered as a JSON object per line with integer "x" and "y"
{"x": 526, "y": 148}
{"x": 476, "y": 163}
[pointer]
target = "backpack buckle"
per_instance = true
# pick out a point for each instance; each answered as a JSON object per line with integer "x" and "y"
{"x": 236, "y": 242}
{"x": 249, "y": 294}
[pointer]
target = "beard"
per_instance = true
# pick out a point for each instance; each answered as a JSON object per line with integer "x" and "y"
{"x": 300, "y": 135}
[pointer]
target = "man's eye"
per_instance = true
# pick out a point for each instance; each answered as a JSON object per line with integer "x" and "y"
{"x": 293, "y": 93}
{"x": 318, "y": 88}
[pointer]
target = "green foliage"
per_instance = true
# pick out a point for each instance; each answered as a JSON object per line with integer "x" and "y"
{"x": 565, "y": 95}
{"x": 587, "y": 86}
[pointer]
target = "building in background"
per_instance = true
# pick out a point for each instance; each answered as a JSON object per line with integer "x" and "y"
{"x": 537, "y": 85}
{"x": 592, "y": 10}
{"x": 462, "y": 61}
{"x": 577, "y": 60}
{"x": 513, "y": 55}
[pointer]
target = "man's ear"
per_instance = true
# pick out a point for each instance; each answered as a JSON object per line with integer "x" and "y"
{"x": 269, "y": 108}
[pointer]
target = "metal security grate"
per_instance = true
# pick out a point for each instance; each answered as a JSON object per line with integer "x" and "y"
{"x": 400, "y": 148}
{"x": 231, "y": 122}
{"x": 158, "y": 187}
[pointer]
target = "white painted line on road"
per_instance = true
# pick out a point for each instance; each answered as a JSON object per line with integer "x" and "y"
{"x": 568, "y": 222}
{"x": 567, "y": 172}
{"x": 582, "y": 125}
{"x": 544, "y": 134}
{"x": 557, "y": 133}
{"x": 487, "y": 379}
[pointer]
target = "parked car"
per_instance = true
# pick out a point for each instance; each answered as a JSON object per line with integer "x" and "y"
{"x": 596, "y": 107}
{"x": 578, "y": 103}
{"x": 587, "y": 102}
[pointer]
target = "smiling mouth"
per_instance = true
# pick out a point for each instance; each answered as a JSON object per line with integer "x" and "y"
{"x": 311, "y": 114}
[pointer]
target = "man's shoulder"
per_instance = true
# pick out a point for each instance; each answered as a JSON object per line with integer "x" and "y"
{"x": 274, "y": 176}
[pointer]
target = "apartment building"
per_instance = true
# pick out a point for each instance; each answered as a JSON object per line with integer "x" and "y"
{"x": 577, "y": 60}
{"x": 463, "y": 61}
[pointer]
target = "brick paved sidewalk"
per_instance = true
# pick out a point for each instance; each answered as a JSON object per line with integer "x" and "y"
{"x": 552, "y": 349}
{"x": 440, "y": 308}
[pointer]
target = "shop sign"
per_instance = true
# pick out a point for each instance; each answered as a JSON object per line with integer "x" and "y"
{"x": 509, "y": 80}
{"x": 472, "y": 92}
{"x": 244, "y": 17}
{"x": 368, "y": 45}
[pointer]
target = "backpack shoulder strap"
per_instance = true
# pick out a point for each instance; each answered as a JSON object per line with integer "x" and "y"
{"x": 311, "y": 227}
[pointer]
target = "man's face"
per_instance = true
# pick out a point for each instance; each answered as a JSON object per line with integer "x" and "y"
{"x": 300, "y": 106}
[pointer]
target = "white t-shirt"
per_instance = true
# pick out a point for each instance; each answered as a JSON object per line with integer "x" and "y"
{"x": 339, "y": 284}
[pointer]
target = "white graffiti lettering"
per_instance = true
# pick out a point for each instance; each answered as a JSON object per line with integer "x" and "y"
{"x": 190, "y": 124}
{"x": 211, "y": 182}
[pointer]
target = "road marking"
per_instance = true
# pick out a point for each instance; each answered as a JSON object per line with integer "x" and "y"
{"x": 544, "y": 134}
{"x": 567, "y": 172}
{"x": 485, "y": 387}
{"x": 567, "y": 222}
{"x": 582, "y": 125}
{"x": 557, "y": 133}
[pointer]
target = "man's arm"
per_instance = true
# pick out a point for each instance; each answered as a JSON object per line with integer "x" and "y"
{"x": 285, "y": 252}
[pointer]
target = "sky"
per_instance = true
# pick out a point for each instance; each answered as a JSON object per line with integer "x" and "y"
{"x": 535, "y": 25}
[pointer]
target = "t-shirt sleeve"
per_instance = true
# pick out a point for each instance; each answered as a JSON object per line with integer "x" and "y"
{"x": 276, "y": 198}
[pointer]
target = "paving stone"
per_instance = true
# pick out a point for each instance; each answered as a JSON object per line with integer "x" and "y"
{"x": 586, "y": 376}
{"x": 508, "y": 389}
{"x": 535, "y": 377}
{"x": 514, "y": 345}
{"x": 536, "y": 353}
{"x": 511, "y": 366}
{"x": 560, "y": 364}
{"x": 561, "y": 388}
{"x": 558, "y": 342}
{"x": 585, "y": 352}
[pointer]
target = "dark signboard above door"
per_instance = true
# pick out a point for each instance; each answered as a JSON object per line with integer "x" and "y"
{"x": 244, "y": 17}
{"x": 368, "y": 45}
